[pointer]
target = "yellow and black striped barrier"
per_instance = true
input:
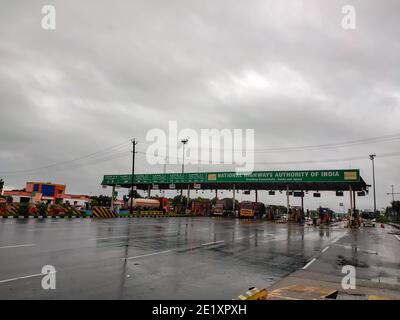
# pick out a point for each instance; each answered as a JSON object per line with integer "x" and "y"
{"x": 71, "y": 211}
{"x": 12, "y": 210}
{"x": 254, "y": 294}
{"x": 100, "y": 212}
{"x": 97, "y": 212}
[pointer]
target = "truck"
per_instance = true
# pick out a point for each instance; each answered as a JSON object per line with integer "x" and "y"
{"x": 143, "y": 204}
{"x": 201, "y": 206}
{"x": 368, "y": 218}
{"x": 248, "y": 209}
{"x": 224, "y": 207}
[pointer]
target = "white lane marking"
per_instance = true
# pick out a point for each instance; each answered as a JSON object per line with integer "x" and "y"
{"x": 120, "y": 237}
{"x": 125, "y": 237}
{"x": 337, "y": 238}
{"x": 25, "y": 277}
{"x": 325, "y": 249}
{"x": 210, "y": 243}
{"x": 247, "y": 237}
{"x": 48, "y": 229}
{"x": 308, "y": 264}
{"x": 146, "y": 255}
{"x": 19, "y": 245}
{"x": 398, "y": 238}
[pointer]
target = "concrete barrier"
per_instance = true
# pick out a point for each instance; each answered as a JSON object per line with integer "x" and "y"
{"x": 104, "y": 213}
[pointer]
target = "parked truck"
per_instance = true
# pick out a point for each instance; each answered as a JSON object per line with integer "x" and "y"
{"x": 201, "y": 206}
{"x": 143, "y": 204}
{"x": 248, "y": 209}
{"x": 224, "y": 207}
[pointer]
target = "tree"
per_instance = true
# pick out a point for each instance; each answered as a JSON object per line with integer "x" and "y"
{"x": 135, "y": 194}
{"x": 102, "y": 201}
{"x": 177, "y": 200}
{"x": 396, "y": 209}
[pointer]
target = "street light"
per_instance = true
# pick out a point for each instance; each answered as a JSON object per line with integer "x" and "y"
{"x": 372, "y": 157}
{"x": 184, "y": 141}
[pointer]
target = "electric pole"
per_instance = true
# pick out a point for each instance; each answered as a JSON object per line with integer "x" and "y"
{"x": 134, "y": 143}
{"x": 372, "y": 157}
{"x": 392, "y": 193}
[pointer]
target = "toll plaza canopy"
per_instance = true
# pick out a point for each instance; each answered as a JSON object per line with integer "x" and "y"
{"x": 313, "y": 180}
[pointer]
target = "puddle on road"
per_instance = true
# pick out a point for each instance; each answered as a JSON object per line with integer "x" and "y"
{"x": 342, "y": 261}
{"x": 387, "y": 280}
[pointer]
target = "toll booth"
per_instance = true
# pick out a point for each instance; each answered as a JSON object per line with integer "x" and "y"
{"x": 294, "y": 182}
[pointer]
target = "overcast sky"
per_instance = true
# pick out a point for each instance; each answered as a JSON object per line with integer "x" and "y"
{"x": 113, "y": 70}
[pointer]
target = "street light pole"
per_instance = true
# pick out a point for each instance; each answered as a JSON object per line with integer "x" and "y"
{"x": 393, "y": 193}
{"x": 372, "y": 157}
{"x": 184, "y": 141}
{"x": 134, "y": 143}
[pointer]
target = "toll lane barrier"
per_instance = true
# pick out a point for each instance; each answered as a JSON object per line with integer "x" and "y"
{"x": 105, "y": 213}
{"x": 254, "y": 294}
{"x": 12, "y": 210}
{"x": 97, "y": 212}
{"x": 73, "y": 212}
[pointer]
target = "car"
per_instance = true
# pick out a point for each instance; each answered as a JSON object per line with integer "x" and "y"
{"x": 368, "y": 219}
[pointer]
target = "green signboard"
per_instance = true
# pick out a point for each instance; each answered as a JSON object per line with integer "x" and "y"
{"x": 310, "y": 176}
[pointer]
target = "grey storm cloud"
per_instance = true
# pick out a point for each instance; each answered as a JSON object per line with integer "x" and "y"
{"x": 114, "y": 70}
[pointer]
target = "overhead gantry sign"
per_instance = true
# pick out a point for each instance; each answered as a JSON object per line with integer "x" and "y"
{"x": 324, "y": 180}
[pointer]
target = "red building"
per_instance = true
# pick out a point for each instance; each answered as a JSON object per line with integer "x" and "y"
{"x": 46, "y": 192}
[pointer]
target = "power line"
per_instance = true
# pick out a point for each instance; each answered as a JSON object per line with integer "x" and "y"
{"x": 86, "y": 157}
{"x": 382, "y": 155}
{"x": 351, "y": 143}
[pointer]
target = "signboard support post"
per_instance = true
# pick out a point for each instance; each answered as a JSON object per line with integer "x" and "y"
{"x": 233, "y": 205}
{"x": 287, "y": 200}
{"x": 112, "y": 197}
{"x": 256, "y": 195}
{"x": 351, "y": 207}
{"x": 354, "y": 207}
{"x": 148, "y": 192}
{"x": 188, "y": 197}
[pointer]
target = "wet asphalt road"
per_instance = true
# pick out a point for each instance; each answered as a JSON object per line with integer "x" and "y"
{"x": 173, "y": 258}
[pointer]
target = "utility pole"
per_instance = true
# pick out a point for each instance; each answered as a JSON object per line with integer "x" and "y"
{"x": 134, "y": 143}
{"x": 184, "y": 141}
{"x": 164, "y": 171}
{"x": 392, "y": 193}
{"x": 372, "y": 157}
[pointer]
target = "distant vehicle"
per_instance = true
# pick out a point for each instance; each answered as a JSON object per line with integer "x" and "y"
{"x": 248, "y": 209}
{"x": 160, "y": 204}
{"x": 368, "y": 219}
{"x": 201, "y": 206}
{"x": 224, "y": 207}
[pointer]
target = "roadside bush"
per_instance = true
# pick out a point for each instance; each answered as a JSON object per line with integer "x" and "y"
{"x": 42, "y": 209}
{"x": 23, "y": 209}
{"x": 381, "y": 219}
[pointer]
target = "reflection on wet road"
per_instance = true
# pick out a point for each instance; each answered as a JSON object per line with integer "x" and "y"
{"x": 166, "y": 258}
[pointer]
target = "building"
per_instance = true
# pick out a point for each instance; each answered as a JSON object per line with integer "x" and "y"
{"x": 47, "y": 192}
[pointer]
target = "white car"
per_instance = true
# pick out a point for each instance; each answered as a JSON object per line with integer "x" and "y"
{"x": 369, "y": 222}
